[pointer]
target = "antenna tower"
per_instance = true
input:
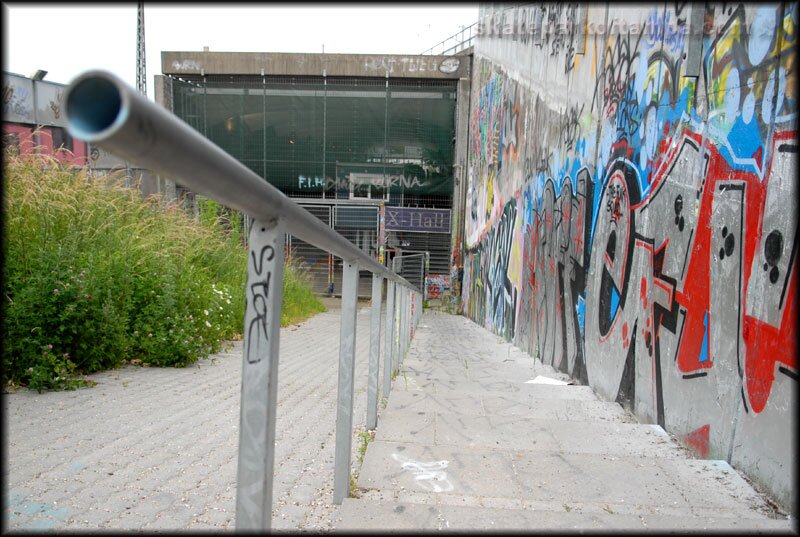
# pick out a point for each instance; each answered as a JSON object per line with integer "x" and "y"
{"x": 141, "y": 69}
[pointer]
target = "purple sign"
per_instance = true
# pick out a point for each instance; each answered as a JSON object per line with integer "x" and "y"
{"x": 416, "y": 219}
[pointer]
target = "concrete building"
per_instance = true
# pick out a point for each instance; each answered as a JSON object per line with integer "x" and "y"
{"x": 367, "y": 143}
{"x": 34, "y": 123}
{"x": 33, "y": 120}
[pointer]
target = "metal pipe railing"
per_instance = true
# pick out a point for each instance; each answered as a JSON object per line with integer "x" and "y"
{"x": 101, "y": 109}
{"x": 461, "y": 40}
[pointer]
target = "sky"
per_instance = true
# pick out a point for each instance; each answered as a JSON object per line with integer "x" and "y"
{"x": 66, "y": 39}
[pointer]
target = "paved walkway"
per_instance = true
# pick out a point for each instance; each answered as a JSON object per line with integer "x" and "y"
{"x": 157, "y": 448}
{"x": 463, "y": 443}
{"x": 466, "y": 443}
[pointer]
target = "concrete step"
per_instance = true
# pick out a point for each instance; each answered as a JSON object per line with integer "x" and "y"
{"x": 628, "y": 484}
{"x": 366, "y": 514}
{"x": 444, "y": 368}
{"x": 423, "y": 382}
{"x": 587, "y": 435}
{"x": 475, "y": 402}
{"x": 499, "y": 406}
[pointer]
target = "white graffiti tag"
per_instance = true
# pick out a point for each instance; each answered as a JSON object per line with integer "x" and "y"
{"x": 429, "y": 475}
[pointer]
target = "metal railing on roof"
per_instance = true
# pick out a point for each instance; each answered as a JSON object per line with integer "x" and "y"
{"x": 102, "y": 109}
{"x": 454, "y": 44}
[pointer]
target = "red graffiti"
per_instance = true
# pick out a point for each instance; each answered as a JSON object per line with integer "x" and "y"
{"x": 698, "y": 440}
{"x": 765, "y": 346}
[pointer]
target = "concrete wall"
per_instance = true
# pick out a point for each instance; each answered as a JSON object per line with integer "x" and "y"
{"x": 631, "y": 212}
{"x": 30, "y": 104}
{"x": 312, "y": 64}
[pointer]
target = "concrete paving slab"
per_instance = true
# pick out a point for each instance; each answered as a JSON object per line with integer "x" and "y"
{"x": 471, "y": 402}
{"x": 623, "y": 484}
{"x": 557, "y": 409}
{"x": 523, "y": 433}
{"x": 630, "y": 483}
{"x": 413, "y": 383}
{"x": 372, "y": 515}
{"x": 452, "y": 385}
{"x": 430, "y": 402}
{"x": 406, "y": 426}
{"x": 438, "y": 469}
{"x": 530, "y": 455}
{"x": 714, "y": 487}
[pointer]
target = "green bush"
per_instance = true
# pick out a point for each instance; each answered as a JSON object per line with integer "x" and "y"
{"x": 95, "y": 276}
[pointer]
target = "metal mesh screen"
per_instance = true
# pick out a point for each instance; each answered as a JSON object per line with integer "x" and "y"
{"x": 412, "y": 268}
{"x": 436, "y": 244}
{"x": 316, "y": 261}
{"x": 348, "y": 144}
{"x": 359, "y": 225}
{"x": 309, "y": 135}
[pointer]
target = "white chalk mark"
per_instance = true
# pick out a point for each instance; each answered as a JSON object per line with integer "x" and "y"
{"x": 429, "y": 475}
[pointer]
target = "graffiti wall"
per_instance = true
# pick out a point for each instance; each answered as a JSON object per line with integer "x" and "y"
{"x": 631, "y": 214}
{"x": 28, "y": 103}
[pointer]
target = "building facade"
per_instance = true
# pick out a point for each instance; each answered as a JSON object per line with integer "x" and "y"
{"x": 34, "y": 122}
{"x": 366, "y": 143}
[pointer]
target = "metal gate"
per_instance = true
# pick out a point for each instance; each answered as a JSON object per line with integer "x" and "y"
{"x": 412, "y": 266}
{"x": 357, "y": 223}
{"x": 315, "y": 260}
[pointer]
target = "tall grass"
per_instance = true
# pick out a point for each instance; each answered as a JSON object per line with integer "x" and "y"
{"x": 298, "y": 302}
{"x": 95, "y": 276}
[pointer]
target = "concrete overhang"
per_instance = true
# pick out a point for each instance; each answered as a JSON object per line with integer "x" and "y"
{"x": 314, "y": 64}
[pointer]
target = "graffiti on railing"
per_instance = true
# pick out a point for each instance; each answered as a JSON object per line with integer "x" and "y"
{"x": 257, "y": 332}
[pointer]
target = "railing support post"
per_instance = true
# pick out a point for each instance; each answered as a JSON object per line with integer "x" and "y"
{"x": 409, "y": 312}
{"x": 374, "y": 353}
{"x": 404, "y": 327}
{"x": 398, "y": 328}
{"x": 389, "y": 339}
{"x": 262, "y": 326}
{"x": 406, "y": 321}
{"x": 398, "y": 294}
{"x": 344, "y": 406}
{"x": 412, "y": 323}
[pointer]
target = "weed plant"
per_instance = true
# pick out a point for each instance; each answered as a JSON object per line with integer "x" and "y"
{"x": 95, "y": 276}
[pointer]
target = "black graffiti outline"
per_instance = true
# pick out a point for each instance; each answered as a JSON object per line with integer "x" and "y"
{"x": 260, "y": 294}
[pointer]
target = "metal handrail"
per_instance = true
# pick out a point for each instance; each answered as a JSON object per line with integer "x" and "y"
{"x": 103, "y": 110}
{"x": 461, "y": 44}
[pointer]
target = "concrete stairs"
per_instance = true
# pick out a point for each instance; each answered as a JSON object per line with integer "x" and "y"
{"x": 466, "y": 443}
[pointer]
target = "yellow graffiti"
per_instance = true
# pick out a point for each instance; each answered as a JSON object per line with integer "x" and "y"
{"x": 515, "y": 258}
{"x": 489, "y": 193}
{"x": 789, "y": 29}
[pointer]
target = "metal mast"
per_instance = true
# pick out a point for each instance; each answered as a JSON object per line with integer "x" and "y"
{"x": 141, "y": 70}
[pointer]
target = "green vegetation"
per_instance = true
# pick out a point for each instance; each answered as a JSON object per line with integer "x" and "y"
{"x": 365, "y": 438}
{"x": 96, "y": 276}
{"x": 298, "y": 302}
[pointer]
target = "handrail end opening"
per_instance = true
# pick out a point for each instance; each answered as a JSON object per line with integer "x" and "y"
{"x": 94, "y": 106}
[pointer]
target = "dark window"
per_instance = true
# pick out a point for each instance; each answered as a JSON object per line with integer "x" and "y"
{"x": 61, "y": 139}
{"x": 11, "y": 140}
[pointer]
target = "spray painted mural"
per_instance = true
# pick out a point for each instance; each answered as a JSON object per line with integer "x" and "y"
{"x": 635, "y": 225}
